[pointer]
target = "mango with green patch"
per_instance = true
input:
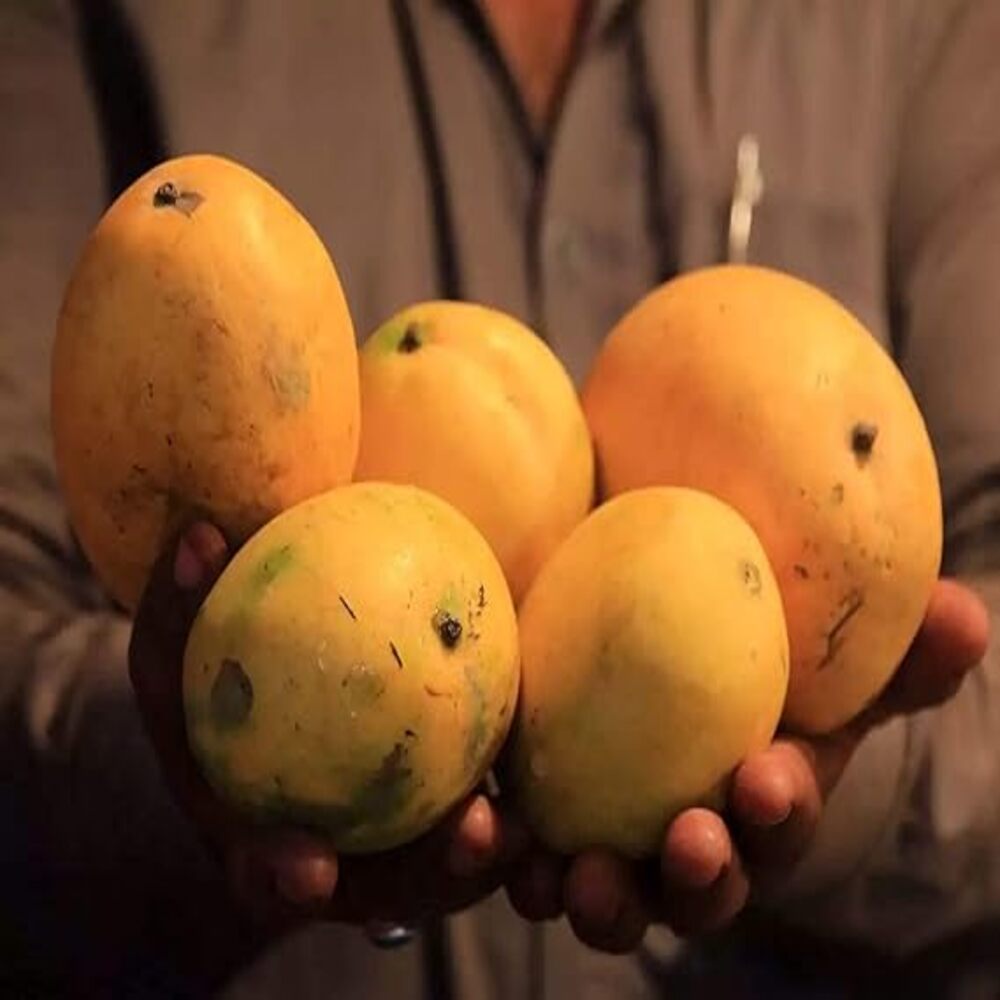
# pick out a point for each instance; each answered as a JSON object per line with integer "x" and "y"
{"x": 654, "y": 659}
{"x": 355, "y": 668}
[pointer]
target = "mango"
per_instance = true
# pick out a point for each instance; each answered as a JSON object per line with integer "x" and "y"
{"x": 763, "y": 390}
{"x": 204, "y": 363}
{"x": 465, "y": 401}
{"x": 355, "y": 668}
{"x": 654, "y": 659}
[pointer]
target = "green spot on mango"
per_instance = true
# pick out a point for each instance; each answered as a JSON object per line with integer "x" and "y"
{"x": 399, "y": 336}
{"x": 291, "y": 385}
{"x": 478, "y": 732}
{"x": 451, "y": 602}
{"x": 362, "y": 686}
{"x": 267, "y": 571}
{"x": 232, "y": 696}
{"x": 376, "y": 805}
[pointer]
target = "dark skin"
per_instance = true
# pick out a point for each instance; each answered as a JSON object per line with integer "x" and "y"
{"x": 699, "y": 882}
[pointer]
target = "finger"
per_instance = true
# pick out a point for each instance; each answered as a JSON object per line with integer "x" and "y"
{"x": 775, "y": 801}
{"x": 695, "y": 851}
{"x": 480, "y": 834}
{"x": 603, "y": 902}
{"x": 534, "y": 888}
{"x": 951, "y": 641}
{"x": 704, "y": 883}
{"x": 179, "y": 581}
{"x": 283, "y": 875}
{"x": 419, "y": 878}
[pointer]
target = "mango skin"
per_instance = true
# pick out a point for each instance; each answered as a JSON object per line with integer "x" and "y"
{"x": 204, "y": 363}
{"x": 761, "y": 389}
{"x": 654, "y": 659}
{"x": 319, "y": 688}
{"x": 471, "y": 404}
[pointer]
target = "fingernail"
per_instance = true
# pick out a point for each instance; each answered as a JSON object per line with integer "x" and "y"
{"x": 187, "y": 566}
{"x": 769, "y": 821}
{"x": 698, "y": 880}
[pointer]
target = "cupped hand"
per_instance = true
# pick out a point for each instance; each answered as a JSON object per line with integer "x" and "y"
{"x": 285, "y": 875}
{"x": 709, "y": 862}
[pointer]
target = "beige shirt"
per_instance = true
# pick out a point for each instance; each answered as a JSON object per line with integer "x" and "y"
{"x": 879, "y": 152}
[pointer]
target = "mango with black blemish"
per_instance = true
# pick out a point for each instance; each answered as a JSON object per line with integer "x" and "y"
{"x": 204, "y": 363}
{"x": 355, "y": 668}
{"x": 654, "y": 659}
{"x": 763, "y": 390}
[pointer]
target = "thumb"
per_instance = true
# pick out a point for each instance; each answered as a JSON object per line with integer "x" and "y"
{"x": 178, "y": 584}
{"x": 951, "y": 641}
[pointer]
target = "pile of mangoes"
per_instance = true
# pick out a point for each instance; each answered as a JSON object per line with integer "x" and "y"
{"x": 445, "y": 556}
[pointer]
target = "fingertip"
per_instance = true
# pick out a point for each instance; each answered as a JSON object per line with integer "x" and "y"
{"x": 594, "y": 887}
{"x": 763, "y": 790}
{"x": 302, "y": 869}
{"x": 188, "y": 571}
{"x": 697, "y": 850}
{"x": 603, "y": 903}
{"x": 477, "y": 838}
{"x": 308, "y": 881}
{"x": 201, "y": 551}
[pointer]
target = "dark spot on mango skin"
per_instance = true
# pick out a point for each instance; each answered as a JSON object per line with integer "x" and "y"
{"x": 837, "y": 493}
{"x": 168, "y": 195}
{"x": 231, "y": 699}
{"x": 448, "y": 628}
{"x": 800, "y": 571}
{"x": 379, "y": 800}
{"x": 750, "y": 573}
{"x": 863, "y": 437}
{"x": 476, "y": 609}
{"x": 410, "y": 341}
{"x": 849, "y": 607}
{"x": 362, "y": 686}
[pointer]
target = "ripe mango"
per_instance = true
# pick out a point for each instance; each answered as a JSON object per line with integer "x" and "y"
{"x": 355, "y": 667}
{"x": 760, "y": 389}
{"x": 204, "y": 362}
{"x": 465, "y": 401}
{"x": 654, "y": 659}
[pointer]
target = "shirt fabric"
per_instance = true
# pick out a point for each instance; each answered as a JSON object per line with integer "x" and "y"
{"x": 395, "y": 128}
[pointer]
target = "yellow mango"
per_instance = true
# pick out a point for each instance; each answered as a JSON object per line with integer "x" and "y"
{"x": 204, "y": 362}
{"x": 355, "y": 667}
{"x": 764, "y": 391}
{"x": 654, "y": 659}
{"x": 467, "y": 402}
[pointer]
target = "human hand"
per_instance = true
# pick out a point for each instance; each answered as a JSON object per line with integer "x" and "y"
{"x": 709, "y": 864}
{"x": 285, "y": 875}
